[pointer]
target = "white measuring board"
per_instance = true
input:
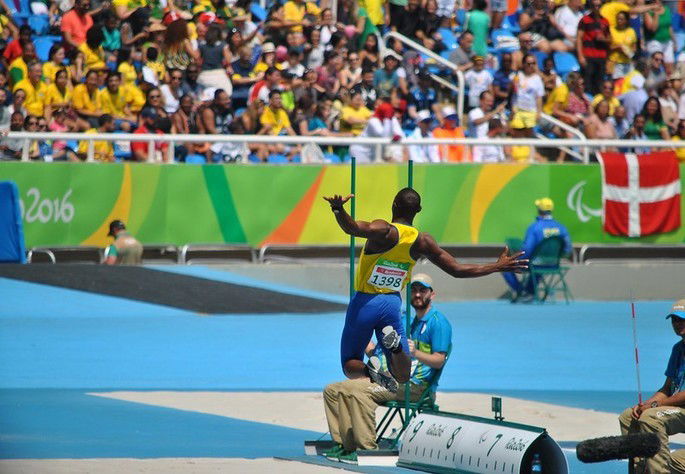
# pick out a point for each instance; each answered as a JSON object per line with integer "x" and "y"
{"x": 442, "y": 442}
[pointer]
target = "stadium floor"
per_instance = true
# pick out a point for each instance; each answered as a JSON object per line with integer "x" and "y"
{"x": 59, "y": 346}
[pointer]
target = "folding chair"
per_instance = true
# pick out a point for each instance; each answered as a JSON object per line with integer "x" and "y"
{"x": 426, "y": 402}
{"x": 545, "y": 274}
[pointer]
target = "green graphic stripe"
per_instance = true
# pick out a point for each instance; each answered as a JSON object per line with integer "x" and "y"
{"x": 219, "y": 193}
{"x": 457, "y": 221}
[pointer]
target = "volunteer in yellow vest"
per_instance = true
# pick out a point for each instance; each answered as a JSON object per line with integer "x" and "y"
{"x": 385, "y": 265}
{"x": 35, "y": 89}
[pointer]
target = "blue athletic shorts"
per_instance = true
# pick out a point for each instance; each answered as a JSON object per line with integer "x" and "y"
{"x": 367, "y": 313}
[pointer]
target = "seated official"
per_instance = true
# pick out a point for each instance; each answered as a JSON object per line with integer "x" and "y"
{"x": 351, "y": 405}
{"x": 663, "y": 413}
{"x": 545, "y": 226}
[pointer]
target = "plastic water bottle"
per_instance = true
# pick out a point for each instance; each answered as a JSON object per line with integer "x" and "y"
{"x": 536, "y": 466}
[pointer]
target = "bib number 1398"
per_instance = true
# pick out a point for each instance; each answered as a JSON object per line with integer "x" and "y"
{"x": 388, "y": 275}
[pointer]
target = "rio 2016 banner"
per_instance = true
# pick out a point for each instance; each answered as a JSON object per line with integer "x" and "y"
{"x": 72, "y": 203}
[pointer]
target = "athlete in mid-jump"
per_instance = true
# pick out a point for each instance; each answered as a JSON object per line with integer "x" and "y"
{"x": 385, "y": 266}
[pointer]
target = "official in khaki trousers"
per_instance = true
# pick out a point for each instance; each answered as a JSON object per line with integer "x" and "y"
{"x": 664, "y": 412}
{"x": 351, "y": 405}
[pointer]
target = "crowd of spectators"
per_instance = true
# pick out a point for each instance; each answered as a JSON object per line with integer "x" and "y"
{"x": 301, "y": 69}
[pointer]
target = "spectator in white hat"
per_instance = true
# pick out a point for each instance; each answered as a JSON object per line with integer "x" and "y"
{"x": 423, "y": 153}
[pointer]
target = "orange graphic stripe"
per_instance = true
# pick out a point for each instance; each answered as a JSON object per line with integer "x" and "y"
{"x": 292, "y": 226}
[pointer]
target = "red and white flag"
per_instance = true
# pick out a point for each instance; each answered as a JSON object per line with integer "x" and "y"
{"x": 640, "y": 193}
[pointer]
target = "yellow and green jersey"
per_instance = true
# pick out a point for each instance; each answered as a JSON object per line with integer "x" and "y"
{"x": 389, "y": 271}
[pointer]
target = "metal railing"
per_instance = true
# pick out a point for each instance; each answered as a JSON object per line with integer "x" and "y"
{"x": 571, "y": 130}
{"x": 439, "y": 59}
{"x": 151, "y": 139}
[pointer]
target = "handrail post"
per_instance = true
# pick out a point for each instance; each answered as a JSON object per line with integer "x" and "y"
{"x": 25, "y": 150}
{"x": 90, "y": 154}
{"x": 151, "y": 152}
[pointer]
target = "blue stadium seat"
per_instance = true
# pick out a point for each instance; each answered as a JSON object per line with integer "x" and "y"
{"x": 43, "y": 45}
{"x": 461, "y": 17}
{"x": 331, "y": 158}
{"x": 676, "y": 21}
{"x": 252, "y": 158}
{"x": 257, "y": 11}
{"x": 511, "y": 22}
{"x": 540, "y": 56}
{"x": 680, "y": 40}
{"x": 277, "y": 158}
{"x": 449, "y": 39}
{"x": 196, "y": 159}
{"x": 565, "y": 63}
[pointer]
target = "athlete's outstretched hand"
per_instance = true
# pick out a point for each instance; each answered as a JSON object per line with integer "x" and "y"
{"x": 511, "y": 263}
{"x": 337, "y": 201}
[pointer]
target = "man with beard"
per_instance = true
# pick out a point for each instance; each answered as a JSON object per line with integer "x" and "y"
{"x": 10, "y": 148}
{"x": 350, "y": 405}
{"x": 216, "y": 120}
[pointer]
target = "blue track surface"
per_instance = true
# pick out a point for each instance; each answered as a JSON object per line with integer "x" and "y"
{"x": 56, "y": 344}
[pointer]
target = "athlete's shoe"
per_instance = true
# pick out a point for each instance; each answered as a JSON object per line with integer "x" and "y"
{"x": 391, "y": 340}
{"x": 348, "y": 457}
{"x": 334, "y": 452}
{"x": 381, "y": 377}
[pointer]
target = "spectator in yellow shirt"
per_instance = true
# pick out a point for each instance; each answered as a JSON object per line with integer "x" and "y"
{"x": 58, "y": 94}
{"x": 19, "y": 67}
{"x": 35, "y": 89}
{"x": 355, "y": 115}
{"x": 623, "y": 46}
{"x": 611, "y": 8}
{"x": 296, "y": 13}
{"x": 275, "y": 121}
{"x": 607, "y": 94}
{"x": 92, "y": 55}
{"x": 55, "y": 63}
{"x": 113, "y": 100}
{"x": 84, "y": 99}
{"x": 680, "y": 136}
{"x": 103, "y": 150}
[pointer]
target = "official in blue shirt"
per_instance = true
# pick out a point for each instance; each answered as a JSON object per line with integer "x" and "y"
{"x": 544, "y": 226}
{"x": 664, "y": 412}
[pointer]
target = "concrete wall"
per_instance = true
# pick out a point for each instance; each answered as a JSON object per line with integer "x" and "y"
{"x": 610, "y": 281}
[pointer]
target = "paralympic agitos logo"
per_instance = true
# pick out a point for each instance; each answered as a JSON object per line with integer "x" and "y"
{"x": 574, "y": 200}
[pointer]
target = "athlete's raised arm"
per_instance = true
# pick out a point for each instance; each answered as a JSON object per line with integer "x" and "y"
{"x": 427, "y": 247}
{"x": 375, "y": 230}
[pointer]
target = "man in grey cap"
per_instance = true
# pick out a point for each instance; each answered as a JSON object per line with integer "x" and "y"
{"x": 663, "y": 413}
{"x": 125, "y": 250}
{"x": 350, "y": 405}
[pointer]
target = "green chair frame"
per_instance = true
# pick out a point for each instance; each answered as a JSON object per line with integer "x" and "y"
{"x": 426, "y": 402}
{"x": 545, "y": 269}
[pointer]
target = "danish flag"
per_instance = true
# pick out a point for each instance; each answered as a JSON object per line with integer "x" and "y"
{"x": 640, "y": 193}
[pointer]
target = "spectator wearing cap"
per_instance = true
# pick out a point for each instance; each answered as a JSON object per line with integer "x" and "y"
{"x": 149, "y": 124}
{"x": 267, "y": 59}
{"x": 478, "y": 79}
{"x": 215, "y": 54}
{"x": 635, "y": 98}
{"x": 383, "y": 124}
{"x": 125, "y": 250}
{"x": 423, "y": 97}
{"x": 450, "y": 129}
{"x": 479, "y": 127}
{"x": 423, "y": 153}
{"x": 543, "y": 227}
{"x": 102, "y": 150}
{"x": 663, "y": 413}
